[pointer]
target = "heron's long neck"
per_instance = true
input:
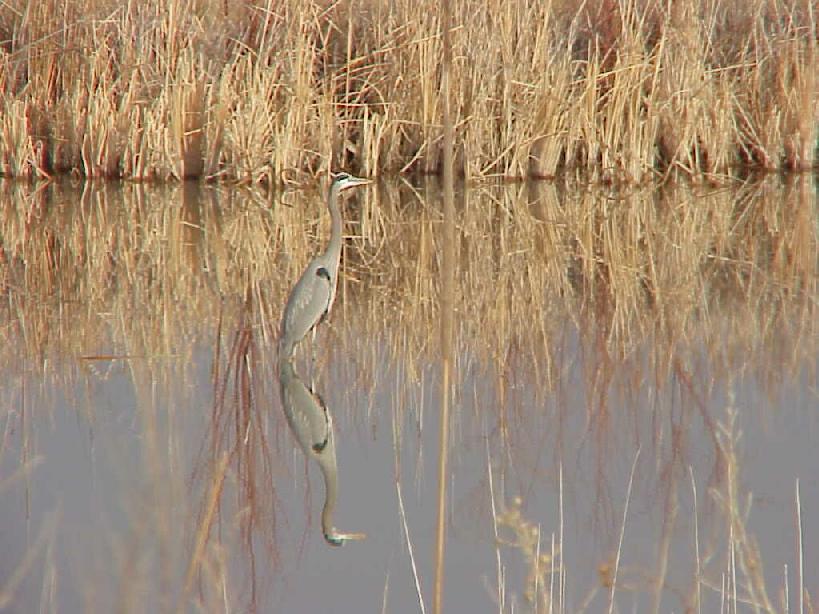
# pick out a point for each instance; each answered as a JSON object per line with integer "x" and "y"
{"x": 333, "y": 251}
{"x": 329, "y": 469}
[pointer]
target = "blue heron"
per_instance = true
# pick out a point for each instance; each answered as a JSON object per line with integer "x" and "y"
{"x": 312, "y": 424}
{"x": 312, "y": 297}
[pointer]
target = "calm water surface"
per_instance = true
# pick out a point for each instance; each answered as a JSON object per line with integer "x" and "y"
{"x": 633, "y": 374}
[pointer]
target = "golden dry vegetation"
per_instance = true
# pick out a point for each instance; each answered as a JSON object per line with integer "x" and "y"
{"x": 672, "y": 267}
{"x": 272, "y": 92}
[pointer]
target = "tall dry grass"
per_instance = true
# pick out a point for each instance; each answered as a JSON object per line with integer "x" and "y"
{"x": 271, "y": 91}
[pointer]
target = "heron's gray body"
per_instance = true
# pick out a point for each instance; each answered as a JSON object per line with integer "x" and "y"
{"x": 307, "y": 416}
{"x": 314, "y": 293}
{"x": 309, "y": 302}
{"x": 312, "y": 424}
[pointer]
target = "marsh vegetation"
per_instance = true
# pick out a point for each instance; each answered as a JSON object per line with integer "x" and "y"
{"x": 274, "y": 92}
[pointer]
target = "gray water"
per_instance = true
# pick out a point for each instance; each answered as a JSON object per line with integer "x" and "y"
{"x": 118, "y": 403}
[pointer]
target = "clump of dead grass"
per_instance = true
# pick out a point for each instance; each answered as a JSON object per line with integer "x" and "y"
{"x": 522, "y": 535}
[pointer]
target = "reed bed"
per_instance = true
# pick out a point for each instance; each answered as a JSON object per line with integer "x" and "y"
{"x": 275, "y": 92}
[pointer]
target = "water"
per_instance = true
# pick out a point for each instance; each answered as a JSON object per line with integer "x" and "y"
{"x": 146, "y": 464}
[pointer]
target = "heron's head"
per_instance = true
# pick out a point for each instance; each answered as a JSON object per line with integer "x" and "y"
{"x": 334, "y": 538}
{"x": 345, "y": 181}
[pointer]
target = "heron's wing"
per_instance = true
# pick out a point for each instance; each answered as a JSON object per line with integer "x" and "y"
{"x": 307, "y": 302}
{"x": 305, "y": 411}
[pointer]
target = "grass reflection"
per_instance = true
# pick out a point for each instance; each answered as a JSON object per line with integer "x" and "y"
{"x": 678, "y": 291}
{"x": 625, "y": 267}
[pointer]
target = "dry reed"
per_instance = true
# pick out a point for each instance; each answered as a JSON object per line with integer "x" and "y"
{"x": 272, "y": 92}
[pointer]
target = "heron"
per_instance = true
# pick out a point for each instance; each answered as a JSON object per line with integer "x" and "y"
{"x": 312, "y": 424}
{"x": 312, "y": 297}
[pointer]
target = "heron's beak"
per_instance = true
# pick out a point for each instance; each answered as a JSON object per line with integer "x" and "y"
{"x": 338, "y": 539}
{"x": 354, "y": 182}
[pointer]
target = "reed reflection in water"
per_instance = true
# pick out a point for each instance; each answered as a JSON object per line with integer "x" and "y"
{"x": 138, "y": 354}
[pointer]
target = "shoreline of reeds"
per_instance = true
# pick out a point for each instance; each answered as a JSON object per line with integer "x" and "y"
{"x": 274, "y": 93}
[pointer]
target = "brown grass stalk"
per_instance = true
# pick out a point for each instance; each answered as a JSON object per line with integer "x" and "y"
{"x": 204, "y": 529}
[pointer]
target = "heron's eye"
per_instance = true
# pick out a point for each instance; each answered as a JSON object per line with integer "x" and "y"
{"x": 322, "y": 272}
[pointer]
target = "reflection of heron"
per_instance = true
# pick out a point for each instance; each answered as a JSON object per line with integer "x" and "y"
{"x": 312, "y": 297}
{"x": 312, "y": 423}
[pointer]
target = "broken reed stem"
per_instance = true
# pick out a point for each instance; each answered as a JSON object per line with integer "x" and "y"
{"x": 698, "y": 569}
{"x": 561, "y": 547}
{"x": 415, "y": 579}
{"x": 496, "y": 537}
{"x": 801, "y": 552}
{"x": 622, "y": 532}
{"x": 204, "y": 528}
